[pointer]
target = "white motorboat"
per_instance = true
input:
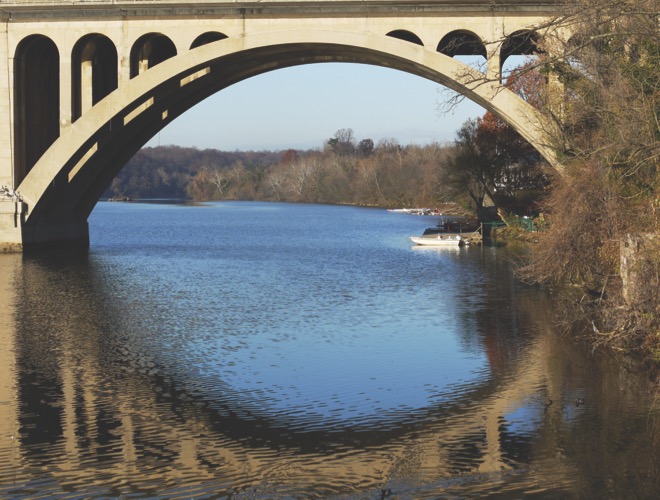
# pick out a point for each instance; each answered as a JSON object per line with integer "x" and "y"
{"x": 440, "y": 240}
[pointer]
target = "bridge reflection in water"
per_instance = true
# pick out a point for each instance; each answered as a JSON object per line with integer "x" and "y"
{"x": 81, "y": 411}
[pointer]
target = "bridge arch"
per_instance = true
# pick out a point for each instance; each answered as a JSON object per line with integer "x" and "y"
{"x": 36, "y": 101}
{"x": 67, "y": 182}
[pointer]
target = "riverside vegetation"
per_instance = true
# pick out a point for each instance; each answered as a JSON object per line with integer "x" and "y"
{"x": 603, "y": 233}
{"x": 599, "y": 218}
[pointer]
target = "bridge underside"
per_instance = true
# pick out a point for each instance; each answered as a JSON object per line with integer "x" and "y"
{"x": 62, "y": 165}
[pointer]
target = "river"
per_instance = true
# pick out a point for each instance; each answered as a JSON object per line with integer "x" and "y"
{"x": 263, "y": 350}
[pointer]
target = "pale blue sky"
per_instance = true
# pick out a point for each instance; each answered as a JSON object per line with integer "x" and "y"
{"x": 302, "y": 107}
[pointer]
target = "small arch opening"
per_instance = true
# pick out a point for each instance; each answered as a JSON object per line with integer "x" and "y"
{"x": 461, "y": 43}
{"x": 36, "y": 101}
{"x": 149, "y": 50}
{"x": 94, "y": 72}
{"x": 519, "y": 43}
{"x": 208, "y": 37}
{"x": 406, "y": 36}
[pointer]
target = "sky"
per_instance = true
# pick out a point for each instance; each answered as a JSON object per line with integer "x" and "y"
{"x": 302, "y": 107}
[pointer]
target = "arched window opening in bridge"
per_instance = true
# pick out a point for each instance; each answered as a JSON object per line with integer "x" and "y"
{"x": 520, "y": 43}
{"x": 94, "y": 72}
{"x": 149, "y": 50}
{"x": 466, "y": 47}
{"x": 461, "y": 43}
{"x": 208, "y": 37}
{"x": 406, "y": 36}
{"x": 36, "y": 101}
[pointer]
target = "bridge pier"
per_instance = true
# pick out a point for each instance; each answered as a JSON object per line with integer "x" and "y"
{"x": 17, "y": 236}
{"x": 68, "y": 234}
{"x": 11, "y": 230}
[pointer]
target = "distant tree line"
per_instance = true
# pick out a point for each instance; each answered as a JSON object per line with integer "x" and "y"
{"x": 344, "y": 171}
{"x": 169, "y": 171}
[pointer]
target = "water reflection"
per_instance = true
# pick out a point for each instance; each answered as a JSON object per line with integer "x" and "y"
{"x": 88, "y": 407}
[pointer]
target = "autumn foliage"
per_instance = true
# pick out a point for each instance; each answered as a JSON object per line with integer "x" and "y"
{"x": 493, "y": 166}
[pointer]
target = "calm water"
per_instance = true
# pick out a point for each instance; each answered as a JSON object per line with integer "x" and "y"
{"x": 255, "y": 350}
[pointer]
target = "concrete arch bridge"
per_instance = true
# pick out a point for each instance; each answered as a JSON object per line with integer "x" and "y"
{"x": 88, "y": 82}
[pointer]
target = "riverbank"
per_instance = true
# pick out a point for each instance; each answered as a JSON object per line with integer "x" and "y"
{"x": 509, "y": 233}
{"x": 622, "y": 314}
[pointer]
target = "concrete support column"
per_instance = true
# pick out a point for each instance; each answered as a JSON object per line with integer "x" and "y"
{"x": 494, "y": 49}
{"x": 556, "y": 90}
{"x": 86, "y": 86}
{"x": 124, "y": 70}
{"x": 556, "y": 96}
{"x": 65, "y": 92}
{"x": 124, "y": 55}
{"x": 143, "y": 65}
{"x": 493, "y": 64}
{"x": 6, "y": 111}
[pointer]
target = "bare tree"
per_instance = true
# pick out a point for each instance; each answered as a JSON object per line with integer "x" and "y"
{"x": 301, "y": 176}
{"x": 277, "y": 185}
